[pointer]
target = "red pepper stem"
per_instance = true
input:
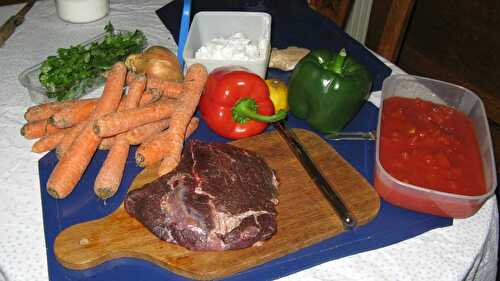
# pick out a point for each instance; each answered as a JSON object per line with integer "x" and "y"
{"x": 246, "y": 109}
{"x": 339, "y": 61}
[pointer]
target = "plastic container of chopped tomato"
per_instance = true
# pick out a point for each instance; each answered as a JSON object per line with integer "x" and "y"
{"x": 429, "y": 199}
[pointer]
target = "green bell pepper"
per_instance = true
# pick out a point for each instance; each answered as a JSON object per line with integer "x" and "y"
{"x": 327, "y": 89}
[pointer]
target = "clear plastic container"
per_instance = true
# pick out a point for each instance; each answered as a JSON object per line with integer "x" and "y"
{"x": 210, "y": 25}
{"x": 419, "y": 198}
{"x": 29, "y": 77}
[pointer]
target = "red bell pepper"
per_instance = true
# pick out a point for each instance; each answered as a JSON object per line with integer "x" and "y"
{"x": 236, "y": 103}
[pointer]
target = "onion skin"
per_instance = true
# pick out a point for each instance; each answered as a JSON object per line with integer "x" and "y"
{"x": 156, "y": 62}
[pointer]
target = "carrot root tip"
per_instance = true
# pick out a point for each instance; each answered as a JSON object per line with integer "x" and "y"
{"x": 139, "y": 160}
{"x": 96, "y": 129}
{"x": 104, "y": 192}
{"x": 53, "y": 193}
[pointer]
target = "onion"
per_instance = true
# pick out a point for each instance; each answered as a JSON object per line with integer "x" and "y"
{"x": 156, "y": 62}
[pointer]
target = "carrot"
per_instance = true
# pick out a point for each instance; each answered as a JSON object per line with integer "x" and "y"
{"x": 137, "y": 135}
{"x": 135, "y": 91}
{"x": 112, "y": 93}
{"x": 149, "y": 96}
{"x": 192, "y": 88}
{"x": 143, "y": 133}
{"x": 168, "y": 144}
{"x": 68, "y": 139}
{"x": 131, "y": 77}
{"x": 192, "y": 126}
{"x": 72, "y": 165}
{"x": 110, "y": 175}
{"x": 50, "y": 142}
{"x": 119, "y": 122}
{"x": 34, "y": 129}
{"x": 38, "y": 129}
{"x": 106, "y": 143}
{"x": 42, "y": 111}
{"x": 168, "y": 88}
{"x": 45, "y": 110}
{"x": 140, "y": 134}
{"x": 69, "y": 116}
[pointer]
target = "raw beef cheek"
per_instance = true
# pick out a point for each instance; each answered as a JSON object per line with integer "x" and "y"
{"x": 219, "y": 197}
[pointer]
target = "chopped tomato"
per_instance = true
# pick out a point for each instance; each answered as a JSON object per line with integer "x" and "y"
{"x": 430, "y": 145}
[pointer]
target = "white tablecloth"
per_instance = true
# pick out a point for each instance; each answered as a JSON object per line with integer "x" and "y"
{"x": 465, "y": 251}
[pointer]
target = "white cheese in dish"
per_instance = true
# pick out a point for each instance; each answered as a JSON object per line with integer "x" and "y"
{"x": 235, "y": 47}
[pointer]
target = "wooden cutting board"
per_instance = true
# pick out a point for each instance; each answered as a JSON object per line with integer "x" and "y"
{"x": 304, "y": 217}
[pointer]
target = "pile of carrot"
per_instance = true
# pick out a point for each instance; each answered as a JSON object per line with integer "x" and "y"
{"x": 156, "y": 115}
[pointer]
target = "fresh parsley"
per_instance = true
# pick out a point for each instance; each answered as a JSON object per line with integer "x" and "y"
{"x": 74, "y": 70}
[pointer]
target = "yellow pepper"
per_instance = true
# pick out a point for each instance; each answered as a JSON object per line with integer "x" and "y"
{"x": 278, "y": 92}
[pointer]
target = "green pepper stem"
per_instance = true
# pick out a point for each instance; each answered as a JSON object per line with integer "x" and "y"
{"x": 246, "y": 109}
{"x": 339, "y": 61}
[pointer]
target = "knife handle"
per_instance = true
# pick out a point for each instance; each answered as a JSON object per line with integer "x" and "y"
{"x": 7, "y": 29}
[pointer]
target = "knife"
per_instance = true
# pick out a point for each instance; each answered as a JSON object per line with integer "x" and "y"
{"x": 10, "y": 25}
{"x": 371, "y": 135}
{"x": 333, "y": 198}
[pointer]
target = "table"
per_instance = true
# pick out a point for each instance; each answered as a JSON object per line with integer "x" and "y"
{"x": 465, "y": 251}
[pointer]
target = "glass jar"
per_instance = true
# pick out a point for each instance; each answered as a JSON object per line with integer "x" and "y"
{"x": 82, "y": 11}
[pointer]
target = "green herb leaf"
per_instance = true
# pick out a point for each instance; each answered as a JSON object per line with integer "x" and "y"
{"x": 76, "y": 69}
{"x": 109, "y": 28}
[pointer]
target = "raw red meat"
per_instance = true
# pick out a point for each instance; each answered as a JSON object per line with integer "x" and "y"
{"x": 220, "y": 197}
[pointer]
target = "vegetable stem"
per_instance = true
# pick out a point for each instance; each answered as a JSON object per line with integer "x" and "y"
{"x": 246, "y": 109}
{"x": 339, "y": 61}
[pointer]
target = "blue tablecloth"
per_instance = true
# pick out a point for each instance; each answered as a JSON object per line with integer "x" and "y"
{"x": 293, "y": 25}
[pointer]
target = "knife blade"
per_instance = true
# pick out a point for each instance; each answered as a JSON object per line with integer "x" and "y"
{"x": 14, "y": 21}
{"x": 330, "y": 194}
{"x": 371, "y": 136}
